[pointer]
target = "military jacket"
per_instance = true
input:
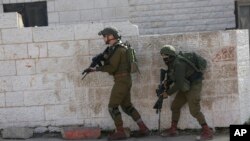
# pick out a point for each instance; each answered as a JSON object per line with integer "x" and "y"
{"x": 178, "y": 72}
{"x": 117, "y": 60}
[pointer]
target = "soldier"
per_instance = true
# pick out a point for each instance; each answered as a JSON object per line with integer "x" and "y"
{"x": 188, "y": 83}
{"x": 117, "y": 64}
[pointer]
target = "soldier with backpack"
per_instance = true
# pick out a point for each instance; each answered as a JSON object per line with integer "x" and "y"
{"x": 185, "y": 71}
{"x": 117, "y": 64}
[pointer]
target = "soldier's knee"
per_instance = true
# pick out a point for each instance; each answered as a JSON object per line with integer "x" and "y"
{"x": 175, "y": 108}
{"x": 195, "y": 113}
{"x": 114, "y": 112}
{"x": 128, "y": 110}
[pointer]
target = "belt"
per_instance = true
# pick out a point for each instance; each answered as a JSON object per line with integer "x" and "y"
{"x": 121, "y": 74}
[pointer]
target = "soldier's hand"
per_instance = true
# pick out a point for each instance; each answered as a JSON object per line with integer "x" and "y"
{"x": 90, "y": 70}
{"x": 164, "y": 95}
{"x": 165, "y": 84}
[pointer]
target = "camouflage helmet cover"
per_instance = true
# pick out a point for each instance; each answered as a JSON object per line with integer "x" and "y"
{"x": 110, "y": 31}
{"x": 168, "y": 50}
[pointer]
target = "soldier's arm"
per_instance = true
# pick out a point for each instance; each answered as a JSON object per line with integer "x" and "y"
{"x": 113, "y": 62}
{"x": 179, "y": 78}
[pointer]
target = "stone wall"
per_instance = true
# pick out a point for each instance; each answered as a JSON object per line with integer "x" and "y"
{"x": 152, "y": 16}
{"x": 40, "y": 76}
{"x": 178, "y": 16}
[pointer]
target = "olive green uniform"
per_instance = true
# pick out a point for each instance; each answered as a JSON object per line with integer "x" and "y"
{"x": 118, "y": 66}
{"x": 188, "y": 90}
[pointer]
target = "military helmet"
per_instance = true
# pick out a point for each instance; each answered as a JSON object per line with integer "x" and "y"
{"x": 110, "y": 31}
{"x": 168, "y": 50}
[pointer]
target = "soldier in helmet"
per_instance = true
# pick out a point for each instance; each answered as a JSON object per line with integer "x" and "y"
{"x": 188, "y": 91}
{"x": 117, "y": 65}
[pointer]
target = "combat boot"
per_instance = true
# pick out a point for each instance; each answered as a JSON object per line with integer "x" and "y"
{"x": 119, "y": 134}
{"x": 143, "y": 131}
{"x": 170, "y": 132}
{"x": 206, "y": 134}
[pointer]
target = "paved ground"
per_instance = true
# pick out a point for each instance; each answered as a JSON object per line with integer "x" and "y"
{"x": 150, "y": 138}
{"x": 221, "y": 134}
{"x": 224, "y": 137}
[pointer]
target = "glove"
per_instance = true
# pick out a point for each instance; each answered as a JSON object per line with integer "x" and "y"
{"x": 165, "y": 84}
{"x": 164, "y": 95}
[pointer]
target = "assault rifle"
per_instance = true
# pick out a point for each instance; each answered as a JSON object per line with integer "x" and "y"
{"x": 96, "y": 61}
{"x": 161, "y": 88}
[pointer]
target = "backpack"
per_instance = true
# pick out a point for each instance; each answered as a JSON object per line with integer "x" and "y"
{"x": 195, "y": 60}
{"x": 131, "y": 53}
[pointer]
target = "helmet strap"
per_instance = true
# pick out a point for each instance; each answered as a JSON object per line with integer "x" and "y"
{"x": 108, "y": 40}
{"x": 169, "y": 60}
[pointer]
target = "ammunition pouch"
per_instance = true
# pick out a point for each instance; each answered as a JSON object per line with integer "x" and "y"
{"x": 186, "y": 86}
{"x": 195, "y": 76}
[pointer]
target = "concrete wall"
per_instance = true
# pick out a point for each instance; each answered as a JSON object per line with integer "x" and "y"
{"x": 40, "y": 76}
{"x": 152, "y": 16}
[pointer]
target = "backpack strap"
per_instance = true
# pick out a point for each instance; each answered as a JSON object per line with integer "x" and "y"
{"x": 180, "y": 56}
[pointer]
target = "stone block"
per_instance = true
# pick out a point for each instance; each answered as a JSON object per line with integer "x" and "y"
{"x": 241, "y": 37}
{"x": 40, "y": 130}
{"x": 81, "y": 133}
{"x": 191, "y": 40}
{"x": 10, "y": 20}
{"x": 14, "y": 99}
{"x": 227, "y": 118}
{"x": 243, "y": 53}
{"x": 58, "y": 33}
{"x": 8, "y": 68}
{"x": 50, "y": 6}
{"x": 114, "y": 3}
{"x": 17, "y": 35}
{"x": 228, "y": 38}
{"x": 56, "y": 65}
{"x": 15, "y": 51}
{"x": 69, "y": 16}
{"x": 25, "y": 67}
{"x": 224, "y": 54}
{"x": 39, "y": 82}
{"x": 68, "y": 48}
{"x": 54, "y": 129}
{"x": 109, "y": 12}
{"x": 2, "y": 100}
{"x": 100, "y": 3}
{"x": 2, "y": 56}
{"x": 46, "y": 97}
{"x": 123, "y": 12}
{"x": 22, "y": 114}
{"x": 88, "y": 31}
{"x": 17, "y": 133}
{"x": 37, "y": 50}
{"x": 60, "y": 112}
{"x": 125, "y": 28}
{"x": 96, "y": 46}
{"x": 6, "y": 84}
{"x": 224, "y": 71}
{"x": 66, "y": 5}
{"x": 53, "y": 17}
{"x": 91, "y": 15}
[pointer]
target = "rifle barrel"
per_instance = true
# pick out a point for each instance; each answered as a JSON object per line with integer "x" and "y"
{"x": 84, "y": 75}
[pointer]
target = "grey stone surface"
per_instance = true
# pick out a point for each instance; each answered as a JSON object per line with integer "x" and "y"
{"x": 41, "y": 130}
{"x": 54, "y": 129}
{"x": 17, "y": 133}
